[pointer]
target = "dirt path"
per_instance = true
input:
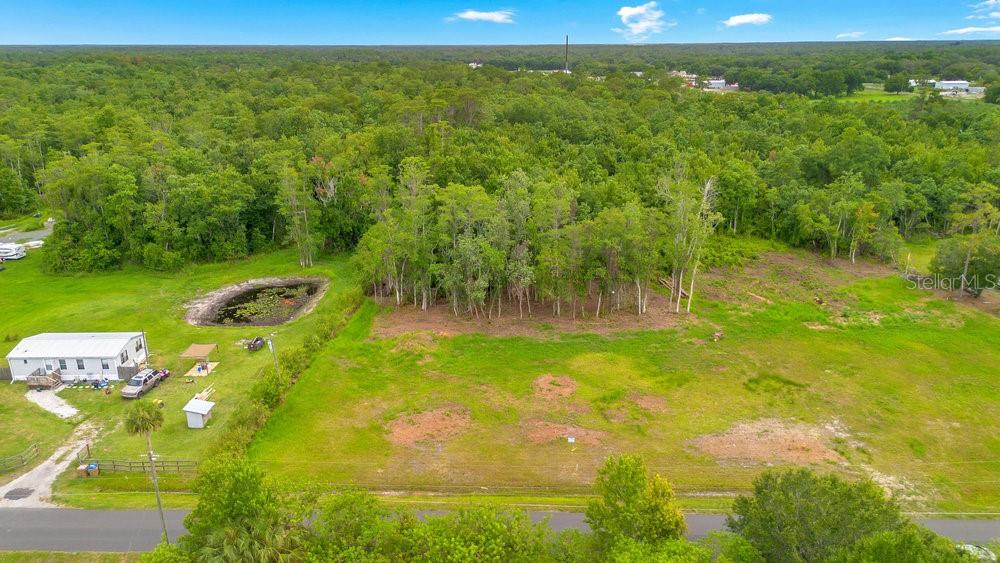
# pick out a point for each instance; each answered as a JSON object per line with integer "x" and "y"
{"x": 13, "y": 235}
{"x": 33, "y": 489}
{"x": 52, "y": 402}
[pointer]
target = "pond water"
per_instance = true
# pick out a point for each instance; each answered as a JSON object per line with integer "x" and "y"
{"x": 264, "y": 306}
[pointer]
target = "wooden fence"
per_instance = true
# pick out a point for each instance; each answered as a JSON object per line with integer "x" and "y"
{"x": 13, "y": 462}
{"x": 126, "y": 372}
{"x": 129, "y": 466}
{"x": 5, "y": 374}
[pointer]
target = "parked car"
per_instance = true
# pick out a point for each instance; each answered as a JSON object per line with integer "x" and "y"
{"x": 255, "y": 344}
{"x": 10, "y": 251}
{"x": 141, "y": 383}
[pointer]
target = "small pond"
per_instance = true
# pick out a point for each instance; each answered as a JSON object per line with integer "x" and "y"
{"x": 265, "y": 305}
{"x": 258, "y": 302}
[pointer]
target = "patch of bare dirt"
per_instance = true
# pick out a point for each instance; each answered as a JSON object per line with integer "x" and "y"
{"x": 440, "y": 320}
{"x": 771, "y": 440}
{"x": 429, "y": 426}
{"x": 895, "y": 486}
{"x": 554, "y": 387}
{"x": 543, "y": 432}
{"x": 649, "y": 403}
{"x": 416, "y": 342}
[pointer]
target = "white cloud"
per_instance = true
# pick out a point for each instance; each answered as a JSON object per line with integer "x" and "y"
{"x": 968, "y": 30}
{"x": 985, "y": 10}
{"x": 747, "y": 19}
{"x": 641, "y": 21}
{"x": 496, "y": 16}
{"x": 898, "y": 38}
{"x": 850, "y": 35}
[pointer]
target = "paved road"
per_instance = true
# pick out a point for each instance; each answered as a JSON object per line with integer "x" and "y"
{"x": 15, "y": 236}
{"x": 64, "y": 529}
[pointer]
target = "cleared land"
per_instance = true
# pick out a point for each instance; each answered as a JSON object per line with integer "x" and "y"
{"x": 34, "y": 302}
{"x": 834, "y": 365}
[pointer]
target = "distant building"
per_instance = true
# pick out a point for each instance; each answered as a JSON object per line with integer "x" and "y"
{"x": 977, "y": 90}
{"x": 962, "y": 85}
{"x": 475, "y": 65}
{"x": 688, "y": 78}
{"x": 720, "y": 85}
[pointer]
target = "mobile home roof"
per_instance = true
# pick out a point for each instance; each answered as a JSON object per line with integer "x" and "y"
{"x": 72, "y": 345}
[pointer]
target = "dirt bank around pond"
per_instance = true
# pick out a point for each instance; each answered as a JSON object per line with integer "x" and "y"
{"x": 206, "y": 310}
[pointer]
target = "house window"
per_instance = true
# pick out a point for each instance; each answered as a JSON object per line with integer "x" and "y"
{"x": 48, "y": 365}
{"x": 138, "y": 345}
{"x": 25, "y": 361}
{"x": 105, "y": 364}
{"x": 79, "y": 364}
{"x": 124, "y": 356}
{"x": 62, "y": 364}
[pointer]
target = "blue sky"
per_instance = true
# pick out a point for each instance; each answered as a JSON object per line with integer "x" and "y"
{"x": 374, "y": 22}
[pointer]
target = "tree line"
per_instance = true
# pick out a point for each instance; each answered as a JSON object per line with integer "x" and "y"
{"x": 792, "y": 515}
{"x": 488, "y": 188}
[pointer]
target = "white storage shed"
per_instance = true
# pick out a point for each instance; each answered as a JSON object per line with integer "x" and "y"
{"x": 198, "y": 412}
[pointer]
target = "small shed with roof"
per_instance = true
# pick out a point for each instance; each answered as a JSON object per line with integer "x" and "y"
{"x": 198, "y": 412}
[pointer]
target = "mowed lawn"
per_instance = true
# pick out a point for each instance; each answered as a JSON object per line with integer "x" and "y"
{"x": 909, "y": 380}
{"x": 134, "y": 300}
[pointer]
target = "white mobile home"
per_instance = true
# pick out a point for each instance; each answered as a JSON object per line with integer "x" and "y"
{"x": 952, "y": 85}
{"x": 78, "y": 355}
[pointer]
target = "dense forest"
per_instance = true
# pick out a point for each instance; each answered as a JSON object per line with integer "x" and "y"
{"x": 489, "y": 187}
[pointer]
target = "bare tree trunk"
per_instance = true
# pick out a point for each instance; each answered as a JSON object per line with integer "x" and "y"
{"x": 638, "y": 288}
{"x": 694, "y": 271}
{"x": 680, "y": 286}
{"x": 965, "y": 269}
{"x": 600, "y": 297}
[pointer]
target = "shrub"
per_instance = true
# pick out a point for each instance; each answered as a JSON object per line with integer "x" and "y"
{"x": 800, "y": 516}
{"x": 632, "y": 505}
{"x": 912, "y": 544}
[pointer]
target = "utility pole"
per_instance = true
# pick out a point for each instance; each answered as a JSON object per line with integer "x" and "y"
{"x": 566, "y": 68}
{"x": 274, "y": 356}
{"x": 156, "y": 485}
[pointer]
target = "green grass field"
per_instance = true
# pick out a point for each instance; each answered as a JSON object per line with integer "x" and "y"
{"x": 26, "y": 423}
{"x": 907, "y": 378}
{"x": 910, "y": 377}
{"x": 920, "y": 253}
{"x": 133, "y": 300}
{"x": 878, "y": 95}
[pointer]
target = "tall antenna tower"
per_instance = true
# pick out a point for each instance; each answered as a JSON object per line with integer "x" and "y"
{"x": 566, "y": 68}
